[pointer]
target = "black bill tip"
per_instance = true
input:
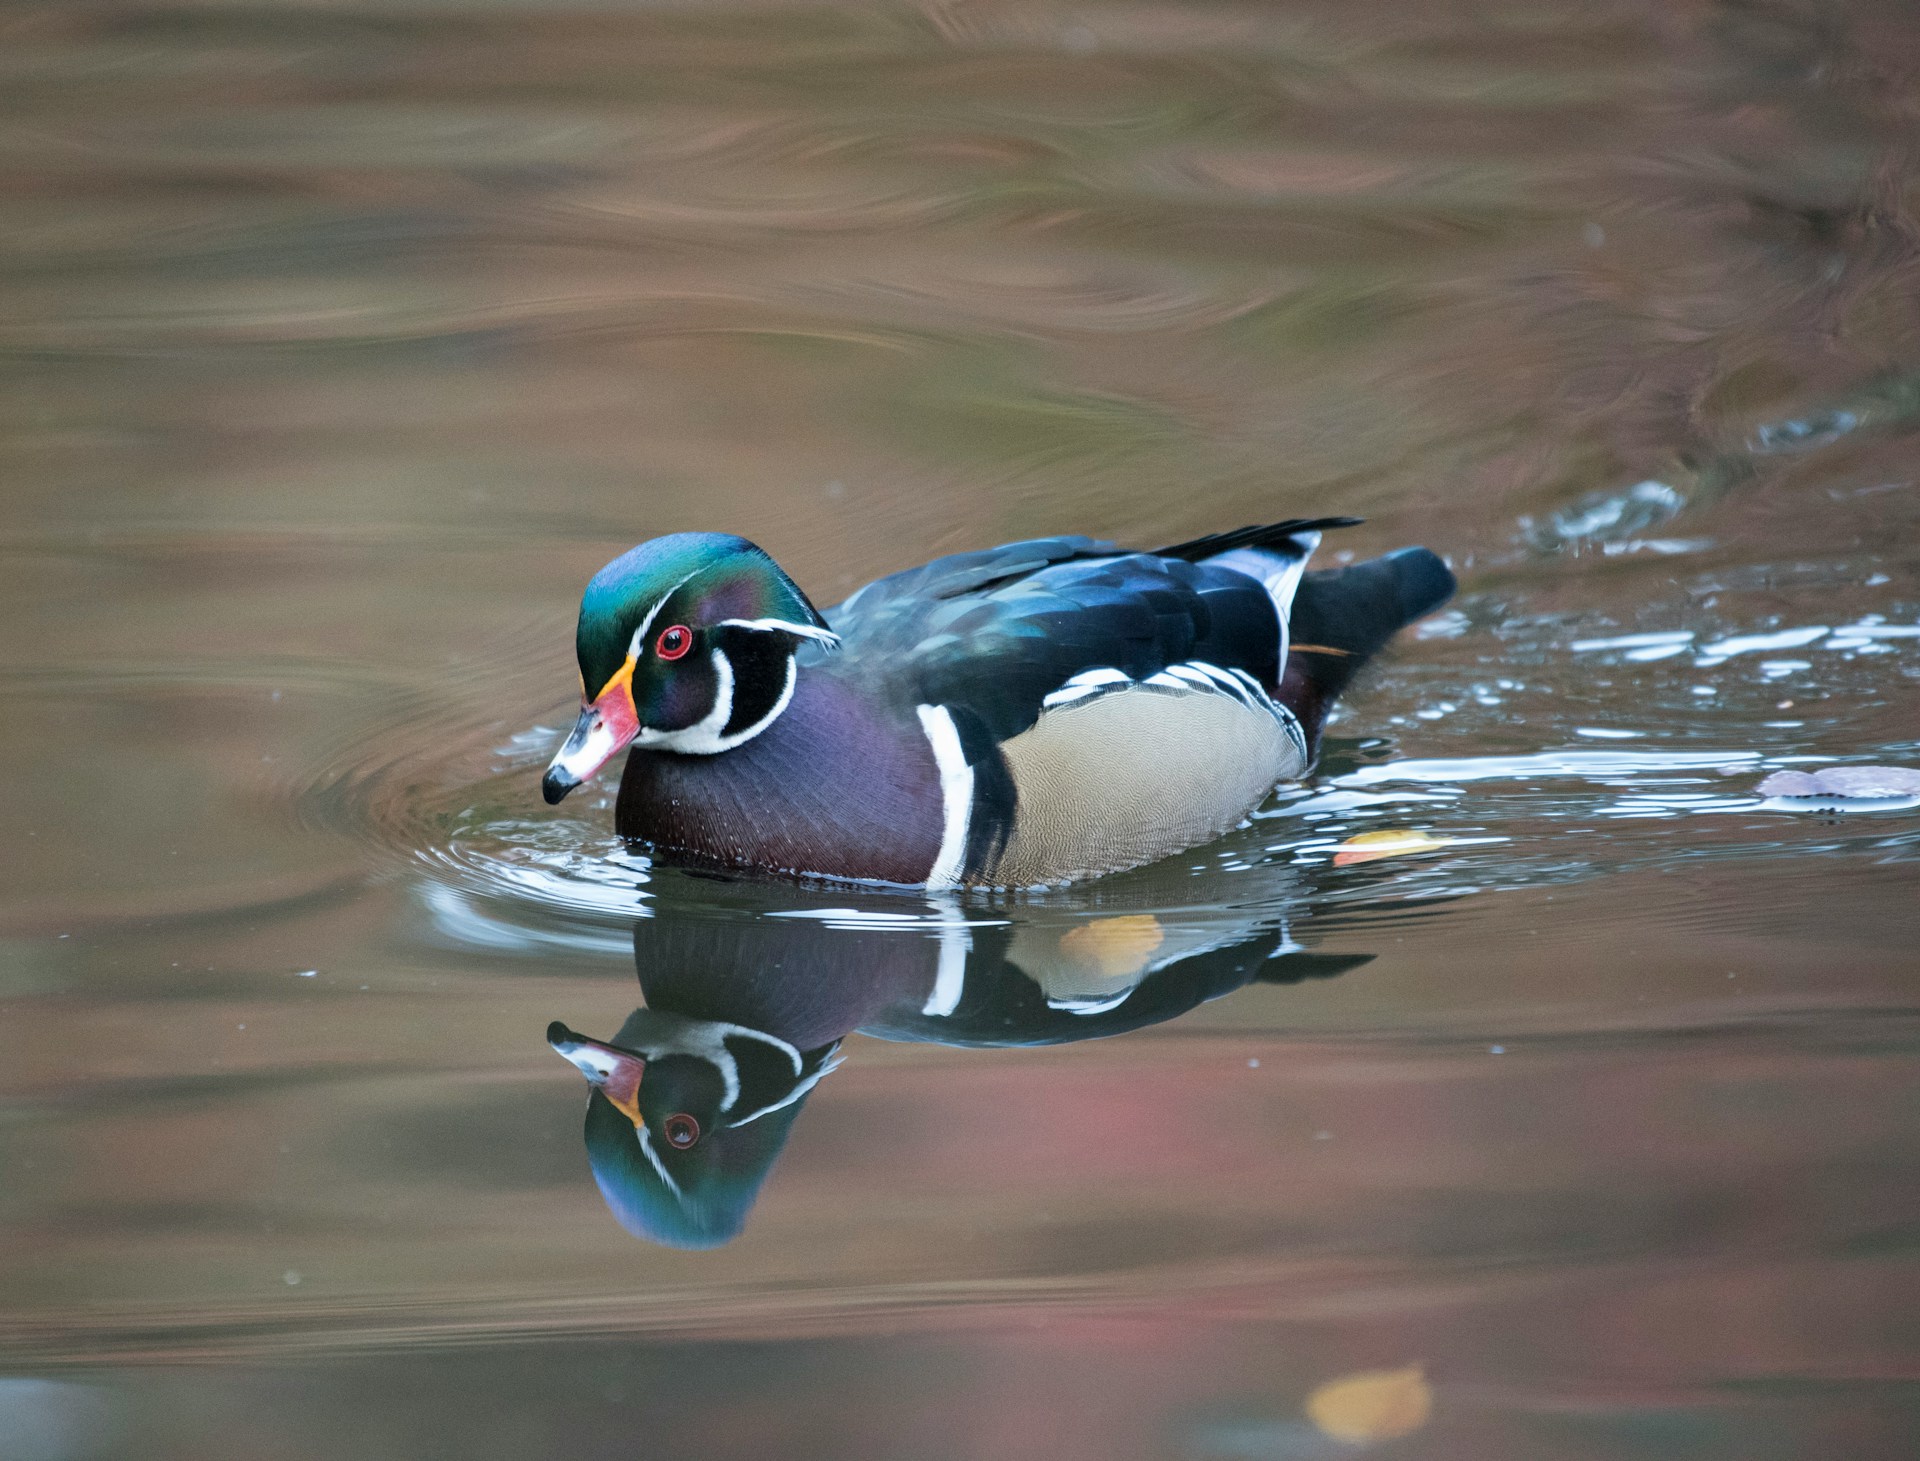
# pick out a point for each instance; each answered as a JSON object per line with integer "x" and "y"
{"x": 558, "y": 1034}
{"x": 556, "y": 784}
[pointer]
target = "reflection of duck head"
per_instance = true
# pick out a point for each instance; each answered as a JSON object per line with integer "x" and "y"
{"x": 693, "y": 1099}
{"x": 686, "y": 1117}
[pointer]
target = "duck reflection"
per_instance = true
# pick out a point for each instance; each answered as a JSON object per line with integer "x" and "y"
{"x": 693, "y": 1098}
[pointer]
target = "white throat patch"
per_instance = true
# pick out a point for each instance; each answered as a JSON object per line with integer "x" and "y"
{"x": 706, "y": 736}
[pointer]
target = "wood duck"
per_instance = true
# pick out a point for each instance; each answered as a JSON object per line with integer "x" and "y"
{"x": 1027, "y": 715}
{"x": 692, "y": 1101}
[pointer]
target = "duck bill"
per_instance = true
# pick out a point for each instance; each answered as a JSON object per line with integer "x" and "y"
{"x": 613, "y": 1072}
{"x": 604, "y": 729}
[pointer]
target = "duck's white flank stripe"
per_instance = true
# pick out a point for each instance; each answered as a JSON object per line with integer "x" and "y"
{"x": 956, "y": 793}
{"x": 950, "y": 978}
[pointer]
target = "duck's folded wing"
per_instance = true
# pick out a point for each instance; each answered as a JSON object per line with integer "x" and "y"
{"x": 1018, "y": 644}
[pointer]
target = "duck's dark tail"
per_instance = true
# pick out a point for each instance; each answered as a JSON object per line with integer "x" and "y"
{"x": 1341, "y": 618}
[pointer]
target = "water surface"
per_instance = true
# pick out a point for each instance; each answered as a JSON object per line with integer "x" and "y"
{"x": 342, "y": 344}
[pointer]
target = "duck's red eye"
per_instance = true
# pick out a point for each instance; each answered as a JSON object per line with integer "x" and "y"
{"x": 673, "y": 642}
{"x": 681, "y": 1129}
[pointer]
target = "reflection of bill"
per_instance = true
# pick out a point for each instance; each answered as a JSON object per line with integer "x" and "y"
{"x": 694, "y": 1096}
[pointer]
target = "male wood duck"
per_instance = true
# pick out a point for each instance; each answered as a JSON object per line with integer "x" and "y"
{"x": 1027, "y": 715}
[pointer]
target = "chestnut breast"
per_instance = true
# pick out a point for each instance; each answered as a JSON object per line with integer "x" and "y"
{"x": 837, "y": 786}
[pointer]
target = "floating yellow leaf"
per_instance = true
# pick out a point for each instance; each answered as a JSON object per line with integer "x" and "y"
{"x": 1114, "y": 945}
{"x": 1372, "y": 1405}
{"x": 1372, "y": 846}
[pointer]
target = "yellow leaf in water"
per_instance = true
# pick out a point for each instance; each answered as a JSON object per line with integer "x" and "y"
{"x": 1372, "y": 1405}
{"x": 1114, "y": 945}
{"x": 1372, "y": 846}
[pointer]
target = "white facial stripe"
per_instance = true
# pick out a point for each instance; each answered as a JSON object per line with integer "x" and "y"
{"x": 698, "y": 737}
{"x": 805, "y": 631}
{"x": 707, "y": 1039}
{"x": 747, "y": 733}
{"x": 831, "y": 1064}
{"x": 659, "y": 1167}
{"x": 706, "y": 737}
{"x": 590, "y": 755}
{"x": 636, "y": 646}
{"x": 956, "y": 793}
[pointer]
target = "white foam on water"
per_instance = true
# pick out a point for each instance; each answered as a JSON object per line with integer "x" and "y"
{"x": 1602, "y": 766}
{"x": 469, "y": 922}
{"x": 1831, "y": 804}
{"x": 1876, "y": 630}
{"x": 870, "y": 920}
{"x": 1635, "y": 641}
{"x": 1725, "y": 649}
{"x": 1664, "y": 547}
{"x": 1328, "y": 802}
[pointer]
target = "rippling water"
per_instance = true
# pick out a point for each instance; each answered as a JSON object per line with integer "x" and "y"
{"x": 341, "y": 344}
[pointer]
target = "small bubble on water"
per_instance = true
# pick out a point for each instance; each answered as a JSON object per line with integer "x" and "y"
{"x": 305, "y": 973}
{"x": 291, "y": 1277}
{"x": 1496, "y": 1050}
{"x": 1594, "y": 234}
{"x": 1253, "y": 1064}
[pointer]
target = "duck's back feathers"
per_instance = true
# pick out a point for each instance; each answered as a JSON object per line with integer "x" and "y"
{"x": 1042, "y": 614}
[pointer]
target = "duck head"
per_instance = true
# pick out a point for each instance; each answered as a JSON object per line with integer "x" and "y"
{"x": 685, "y": 1119}
{"x": 686, "y": 643}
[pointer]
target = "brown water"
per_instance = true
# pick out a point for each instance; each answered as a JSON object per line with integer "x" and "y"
{"x": 341, "y": 343}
